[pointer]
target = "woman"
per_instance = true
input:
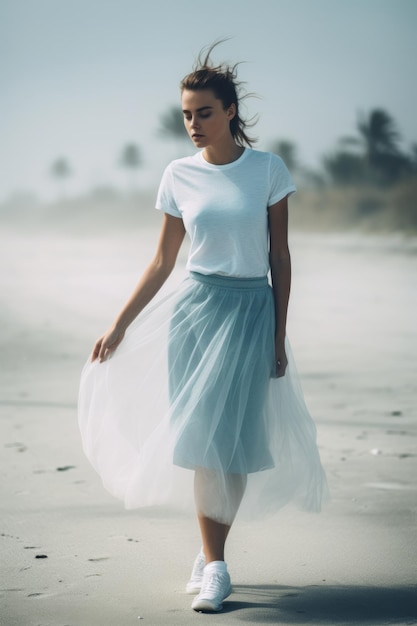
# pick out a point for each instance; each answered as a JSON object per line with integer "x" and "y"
{"x": 228, "y": 407}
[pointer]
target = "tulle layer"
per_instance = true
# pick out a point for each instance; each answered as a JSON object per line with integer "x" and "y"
{"x": 191, "y": 387}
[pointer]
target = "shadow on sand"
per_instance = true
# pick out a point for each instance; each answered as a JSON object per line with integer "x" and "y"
{"x": 361, "y": 605}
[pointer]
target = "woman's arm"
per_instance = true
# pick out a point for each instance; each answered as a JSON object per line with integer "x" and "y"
{"x": 170, "y": 240}
{"x": 280, "y": 262}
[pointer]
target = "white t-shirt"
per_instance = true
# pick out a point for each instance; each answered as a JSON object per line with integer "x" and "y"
{"x": 224, "y": 209}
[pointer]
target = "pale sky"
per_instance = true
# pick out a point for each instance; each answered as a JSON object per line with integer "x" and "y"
{"x": 81, "y": 78}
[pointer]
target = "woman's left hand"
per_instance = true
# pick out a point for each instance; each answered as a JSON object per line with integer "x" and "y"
{"x": 281, "y": 361}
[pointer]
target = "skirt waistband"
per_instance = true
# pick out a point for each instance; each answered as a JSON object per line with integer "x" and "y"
{"x": 230, "y": 282}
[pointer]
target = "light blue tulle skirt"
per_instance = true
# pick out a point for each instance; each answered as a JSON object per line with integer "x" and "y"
{"x": 192, "y": 387}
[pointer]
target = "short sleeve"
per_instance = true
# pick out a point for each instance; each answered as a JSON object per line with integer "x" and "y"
{"x": 165, "y": 199}
{"x": 280, "y": 182}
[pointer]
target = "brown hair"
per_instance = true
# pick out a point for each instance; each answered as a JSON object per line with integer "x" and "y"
{"x": 222, "y": 80}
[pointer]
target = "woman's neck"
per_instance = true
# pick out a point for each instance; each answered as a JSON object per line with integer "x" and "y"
{"x": 222, "y": 155}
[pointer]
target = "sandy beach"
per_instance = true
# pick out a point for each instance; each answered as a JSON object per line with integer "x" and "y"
{"x": 72, "y": 556}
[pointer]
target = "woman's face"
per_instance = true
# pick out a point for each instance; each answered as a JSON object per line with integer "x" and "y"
{"x": 205, "y": 119}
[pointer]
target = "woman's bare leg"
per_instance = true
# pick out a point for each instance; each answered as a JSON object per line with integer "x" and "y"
{"x": 213, "y": 536}
{"x": 217, "y": 501}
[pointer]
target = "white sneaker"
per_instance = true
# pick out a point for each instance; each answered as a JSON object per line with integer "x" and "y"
{"x": 194, "y": 584}
{"x": 214, "y": 588}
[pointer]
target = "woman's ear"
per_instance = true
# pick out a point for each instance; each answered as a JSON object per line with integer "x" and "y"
{"x": 231, "y": 111}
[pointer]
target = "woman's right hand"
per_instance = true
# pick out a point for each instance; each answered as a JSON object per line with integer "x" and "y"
{"x": 107, "y": 344}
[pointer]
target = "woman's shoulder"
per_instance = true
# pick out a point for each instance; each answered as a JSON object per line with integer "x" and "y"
{"x": 267, "y": 161}
{"x": 184, "y": 162}
{"x": 265, "y": 156}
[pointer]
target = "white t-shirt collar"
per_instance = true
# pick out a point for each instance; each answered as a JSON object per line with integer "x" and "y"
{"x": 225, "y": 166}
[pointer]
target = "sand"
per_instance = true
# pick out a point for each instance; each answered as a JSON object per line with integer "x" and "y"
{"x": 72, "y": 556}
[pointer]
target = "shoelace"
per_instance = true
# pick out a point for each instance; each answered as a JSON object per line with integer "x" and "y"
{"x": 197, "y": 573}
{"x": 212, "y": 583}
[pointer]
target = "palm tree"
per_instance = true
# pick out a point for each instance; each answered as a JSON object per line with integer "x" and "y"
{"x": 414, "y": 157}
{"x": 385, "y": 163}
{"x": 343, "y": 167}
{"x": 172, "y": 127}
{"x": 379, "y": 134}
{"x": 172, "y": 123}
{"x": 61, "y": 171}
{"x": 287, "y": 150}
{"x": 131, "y": 160}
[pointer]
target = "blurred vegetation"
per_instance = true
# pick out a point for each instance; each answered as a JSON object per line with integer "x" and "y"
{"x": 287, "y": 150}
{"x": 61, "y": 171}
{"x": 367, "y": 181}
{"x": 131, "y": 160}
{"x": 373, "y": 156}
{"x": 172, "y": 124}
